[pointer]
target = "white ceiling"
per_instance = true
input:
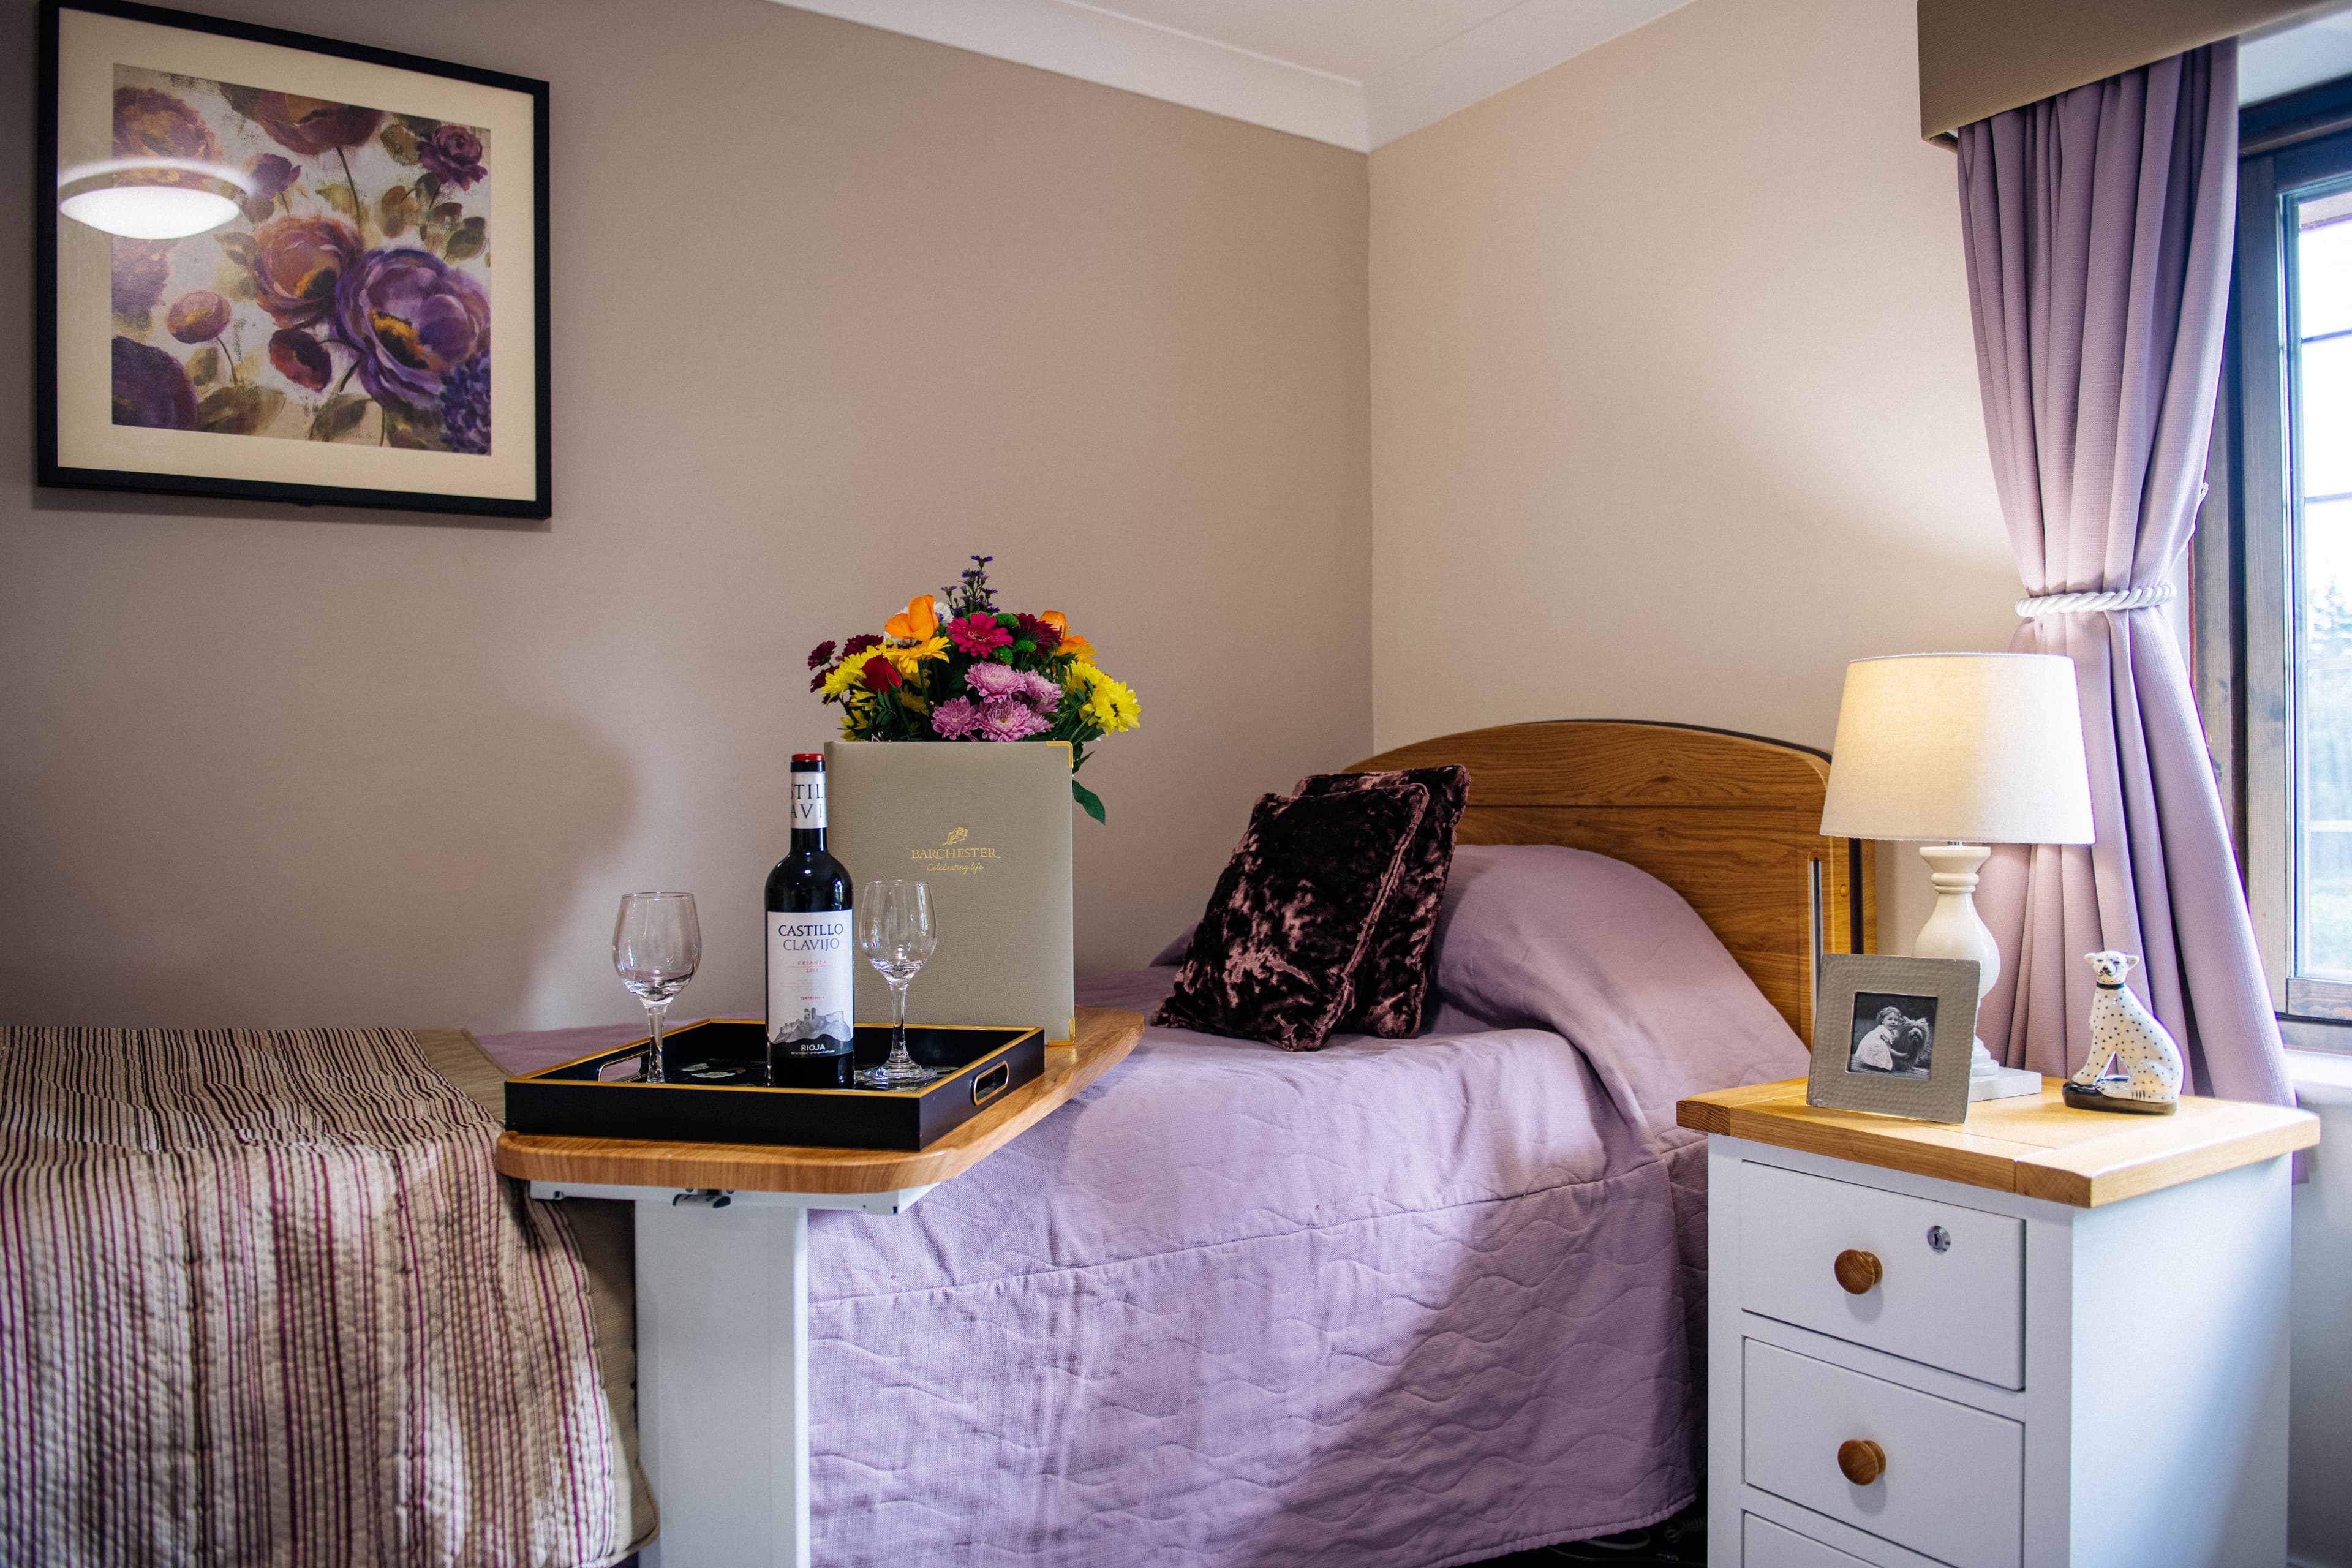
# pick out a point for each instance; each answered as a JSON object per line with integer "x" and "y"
{"x": 1356, "y": 73}
{"x": 2291, "y": 57}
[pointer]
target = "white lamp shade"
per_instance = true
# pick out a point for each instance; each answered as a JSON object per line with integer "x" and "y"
{"x": 1985, "y": 748}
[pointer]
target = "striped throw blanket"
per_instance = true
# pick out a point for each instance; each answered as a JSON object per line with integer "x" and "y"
{"x": 263, "y": 1300}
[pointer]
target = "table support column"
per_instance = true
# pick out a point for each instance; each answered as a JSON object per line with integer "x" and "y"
{"x": 723, "y": 1382}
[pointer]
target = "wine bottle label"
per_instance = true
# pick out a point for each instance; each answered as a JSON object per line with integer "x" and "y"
{"x": 808, "y": 800}
{"x": 809, "y": 974}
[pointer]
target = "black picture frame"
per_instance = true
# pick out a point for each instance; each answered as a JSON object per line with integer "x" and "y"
{"x": 52, "y": 472}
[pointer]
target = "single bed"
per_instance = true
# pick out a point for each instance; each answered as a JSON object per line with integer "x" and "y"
{"x": 1403, "y": 1303}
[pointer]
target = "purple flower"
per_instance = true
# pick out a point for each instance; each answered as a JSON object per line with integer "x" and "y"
{"x": 1044, "y": 693}
{"x": 313, "y": 125}
{"x": 453, "y": 152}
{"x": 151, "y": 389}
{"x": 142, "y": 267}
{"x": 412, "y": 318}
{"x": 1009, "y": 719}
{"x": 990, "y": 681}
{"x": 197, "y": 317}
{"x": 466, "y": 408}
{"x": 149, "y": 123}
{"x": 955, "y": 718}
{"x": 270, "y": 174}
{"x": 301, "y": 358}
{"x": 298, "y": 262}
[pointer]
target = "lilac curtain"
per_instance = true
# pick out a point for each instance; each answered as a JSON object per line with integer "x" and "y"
{"x": 2098, "y": 227}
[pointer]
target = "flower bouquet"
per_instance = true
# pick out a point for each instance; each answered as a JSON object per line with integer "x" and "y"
{"x": 975, "y": 673}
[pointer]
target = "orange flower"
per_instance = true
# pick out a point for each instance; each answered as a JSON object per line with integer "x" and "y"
{"x": 1053, "y": 619}
{"x": 920, "y": 624}
{"x": 1073, "y": 643}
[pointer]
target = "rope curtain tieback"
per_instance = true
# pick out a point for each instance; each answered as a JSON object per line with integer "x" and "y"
{"x": 2035, "y": 606}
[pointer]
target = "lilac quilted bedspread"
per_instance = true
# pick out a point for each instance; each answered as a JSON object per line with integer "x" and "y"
{"x": 1395, "y": 1304}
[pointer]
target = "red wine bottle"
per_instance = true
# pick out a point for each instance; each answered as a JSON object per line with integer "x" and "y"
{"x": 811, "y": 950}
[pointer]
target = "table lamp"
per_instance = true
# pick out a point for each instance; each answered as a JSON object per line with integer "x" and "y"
{"x": 1972, "y": 749}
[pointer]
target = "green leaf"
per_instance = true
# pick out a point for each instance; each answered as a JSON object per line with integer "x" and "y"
{"x": 239, "y": 410}
{"x": 1088, "y": 801}
{"x": 400, "y": 142}
{"x": 419, "y": 126}
{"x": 205, "y": 367}
{"x": 469, "y": 238}
{"x": 416, "y": 430}
{"x": 244, "y": 99}
{"x": 339, "y": 196}
{"x": 338, "y": 415}
{"x": 234, "y": 280}
{"x": 428, "y": 185}
{"x": 238, "y": 246}
{"x": 396, "y": 209}
{"x": 137, "y": 325}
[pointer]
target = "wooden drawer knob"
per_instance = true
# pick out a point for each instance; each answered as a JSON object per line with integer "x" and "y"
{"x": 1862, "y": 1460}
{"x": 1857, "y": 1272}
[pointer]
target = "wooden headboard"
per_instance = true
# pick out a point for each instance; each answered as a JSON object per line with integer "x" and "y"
{"x": 1731, "y": 822}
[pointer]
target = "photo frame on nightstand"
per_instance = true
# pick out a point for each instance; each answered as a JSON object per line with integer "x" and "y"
{"x": 1892, "y": 1036}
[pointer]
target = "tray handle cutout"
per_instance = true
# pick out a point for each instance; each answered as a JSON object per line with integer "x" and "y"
{"x": 987, "y": 1085}
{"x": 620, "y": 1071}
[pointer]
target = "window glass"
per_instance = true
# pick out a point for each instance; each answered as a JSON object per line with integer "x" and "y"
{"x": 2318, "y": 232}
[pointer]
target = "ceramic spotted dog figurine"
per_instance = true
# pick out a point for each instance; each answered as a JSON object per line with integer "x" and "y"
{"x": 2147, "y": 1079}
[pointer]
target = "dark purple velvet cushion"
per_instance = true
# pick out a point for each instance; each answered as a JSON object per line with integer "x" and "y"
{"x": 1400, "y": 962}
{"x": 1276, "y": 955}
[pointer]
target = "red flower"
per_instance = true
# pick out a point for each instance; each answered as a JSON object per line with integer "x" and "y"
{"x": 821, "y": 654}
{"x": 1044, "y": 634}
{"x": 859, "y": 643}
{"x": 978, "y": 635}
{"x": 313, "y": 125}
{"x": 880, "y": 674}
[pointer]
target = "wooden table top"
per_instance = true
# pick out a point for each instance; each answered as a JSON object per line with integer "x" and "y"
{"x": 1105, "y": 1036}
{"x": 2033, "y": 1144}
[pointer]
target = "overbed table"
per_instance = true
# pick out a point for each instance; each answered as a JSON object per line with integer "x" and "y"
{"x": 722, "y": 1294}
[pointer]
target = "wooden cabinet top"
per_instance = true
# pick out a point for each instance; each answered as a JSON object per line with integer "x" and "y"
{"x": 1105, "y": 1036}
{"x": 2034, "y": 1146}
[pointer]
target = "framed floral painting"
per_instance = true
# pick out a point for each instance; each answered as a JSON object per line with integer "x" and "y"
{"x": 274, "y": 266}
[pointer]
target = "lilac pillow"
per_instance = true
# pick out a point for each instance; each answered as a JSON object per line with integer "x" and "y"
{"x": 1399, "y": 964}
{"x": 1276, "y": 955}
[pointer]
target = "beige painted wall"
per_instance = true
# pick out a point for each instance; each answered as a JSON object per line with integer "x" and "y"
{"x": 1673, "y": 396}
{"x": 834, "y": 307}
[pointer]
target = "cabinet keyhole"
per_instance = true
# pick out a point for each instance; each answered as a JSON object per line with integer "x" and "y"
{"x": 1939, "y": 1239}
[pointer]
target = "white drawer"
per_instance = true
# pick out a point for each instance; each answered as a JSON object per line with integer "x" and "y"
{"x": 1961, "y": 1308}
{"x": 1764, "y": 1544}
{"x": 1954, "y": 1486}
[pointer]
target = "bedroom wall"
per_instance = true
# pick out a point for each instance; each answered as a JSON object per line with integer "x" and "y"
{"x": 1674, "y": 395}
{"x": 833, "y": 308}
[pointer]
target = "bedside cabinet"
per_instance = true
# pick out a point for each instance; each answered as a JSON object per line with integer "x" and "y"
{"x": 2046, "y": 1337}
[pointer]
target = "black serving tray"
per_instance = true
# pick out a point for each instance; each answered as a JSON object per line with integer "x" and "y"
{"x": 716, "y": 1092}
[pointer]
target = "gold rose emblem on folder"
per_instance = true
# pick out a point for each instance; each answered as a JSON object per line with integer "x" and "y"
{"x": 958, "y": 837}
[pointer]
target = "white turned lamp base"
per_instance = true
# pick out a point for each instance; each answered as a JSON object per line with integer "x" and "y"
{"x": 1956, "y": 931}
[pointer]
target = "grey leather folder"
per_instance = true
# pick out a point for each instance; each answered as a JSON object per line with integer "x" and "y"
{"x": 987, "y": 824}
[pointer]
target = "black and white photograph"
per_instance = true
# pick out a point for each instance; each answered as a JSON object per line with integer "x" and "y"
{"x": 1876, "y": 1029}
{"x": 1892, "y": 1035}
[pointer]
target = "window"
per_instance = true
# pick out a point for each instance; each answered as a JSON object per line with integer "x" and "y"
{"x": 2273, "y": 580}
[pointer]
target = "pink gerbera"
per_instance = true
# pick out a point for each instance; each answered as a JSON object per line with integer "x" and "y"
{"x": 978, "y": 635}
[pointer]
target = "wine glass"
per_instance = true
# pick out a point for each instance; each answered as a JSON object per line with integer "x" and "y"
{"x": 656, "y": 946}
{"x": 896, "y": 933}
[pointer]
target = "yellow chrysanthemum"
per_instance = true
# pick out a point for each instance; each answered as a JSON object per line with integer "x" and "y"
{"x": 1111, "y": 704}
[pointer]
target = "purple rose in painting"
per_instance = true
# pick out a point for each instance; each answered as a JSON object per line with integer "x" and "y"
{"x": 154, "y": 124}
{"x": 301, "y": 358}
{"x": 297, "y": 262}
{"x": 270, "y": 174}
{"x": 151, "y": 389}
{"x": 198, "y": 317}
{"x": 142, "y": 267}
{"x": 453, "y": 152}
{"x": 413, "y": 319}
{"x": 314, "y": 125}
{"x": 466, "y": 408}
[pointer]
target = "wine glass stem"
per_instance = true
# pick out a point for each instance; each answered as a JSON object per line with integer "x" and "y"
{"x": 654, "y": 1074}
{"x": 898, "y": 1029}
